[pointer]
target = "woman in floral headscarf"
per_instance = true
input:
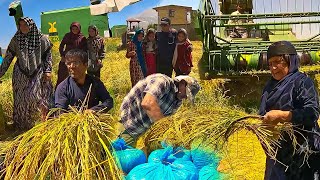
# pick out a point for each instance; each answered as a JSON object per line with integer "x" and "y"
{"x": 31, "y": 81}
{"x": 138, "y": 68}
{"x": 96, "y": 51}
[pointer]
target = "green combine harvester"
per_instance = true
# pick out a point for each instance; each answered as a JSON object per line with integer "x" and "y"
{"x": 226, "y": 56}
{"x": 242, "y": 61}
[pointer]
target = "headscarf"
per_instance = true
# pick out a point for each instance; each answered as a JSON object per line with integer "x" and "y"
{"x": 281, "y": 48}
{"x": 175, "y": 53}
{"x": 183, "y": 31}
{"x": 97, "y": 40}
{"x": 73, "y": 41}
{"x": 139, "y": 51}
{"x": 77, "y": 38}
{"x": 192, "y": 88}
{"x": 30, "y": 48}
{"x": 31, "y": 40}
{"x": 149, "y": 31}
{"x": 276, "y": 89}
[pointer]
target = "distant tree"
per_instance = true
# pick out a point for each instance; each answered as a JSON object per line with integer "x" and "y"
{"x": 154, "y": 26}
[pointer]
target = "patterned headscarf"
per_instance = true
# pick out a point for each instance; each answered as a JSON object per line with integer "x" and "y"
{"x": 97, "y": 40}
{"x": 31, "y": 40}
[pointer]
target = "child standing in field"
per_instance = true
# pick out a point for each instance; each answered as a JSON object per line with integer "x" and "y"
{"x": 182, "y": 58}
{"x": 150, "y": 51}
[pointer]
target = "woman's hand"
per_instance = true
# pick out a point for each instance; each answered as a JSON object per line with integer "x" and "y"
{"x": 276, "y": 116}
{"x": 47, "y": 76}
{"x": 131, "y": 53}
{"x": 100, "y": 63}
{"x": 89, "y": 111}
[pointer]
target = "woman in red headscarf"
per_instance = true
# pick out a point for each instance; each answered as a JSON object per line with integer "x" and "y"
{"x": 72, "y": 40}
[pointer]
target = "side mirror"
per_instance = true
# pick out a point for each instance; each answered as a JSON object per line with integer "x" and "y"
{"x": 94, "y": 2}
{"x": 15, "y": 9}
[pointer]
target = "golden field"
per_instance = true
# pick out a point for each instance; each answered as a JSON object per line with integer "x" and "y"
{"x": 242, "y": 157}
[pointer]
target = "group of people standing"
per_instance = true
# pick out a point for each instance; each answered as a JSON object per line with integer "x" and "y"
{"x": 289, "y": 97}
{"x": 33, "y": 90}
{"x": 159, "y": 52}
{"x": 94, "y": 45}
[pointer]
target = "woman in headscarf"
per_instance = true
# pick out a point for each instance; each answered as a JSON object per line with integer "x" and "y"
{"x": 96, "y": 51}
{"x": 31, "y": 80}
{"x": 150, "y": 48}
{"x": 291, "y": 97}
{"x": 72, "y": 40}
{"x": 138, "y": 68}
{"x": 182, "y": 58}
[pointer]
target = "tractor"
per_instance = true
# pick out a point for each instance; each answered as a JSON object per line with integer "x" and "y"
{"x": 132, "y": 25}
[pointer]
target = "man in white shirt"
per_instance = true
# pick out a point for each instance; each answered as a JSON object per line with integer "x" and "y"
{"x": 238, "y": 31}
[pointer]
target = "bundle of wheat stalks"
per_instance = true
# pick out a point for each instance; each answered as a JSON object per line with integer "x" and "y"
{"x": 72, "y": 146}
{"x": 214, "y": 128}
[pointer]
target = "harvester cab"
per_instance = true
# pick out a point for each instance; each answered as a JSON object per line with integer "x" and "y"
{"x": 235, "y": 43}
{"x": 133, "y": 24}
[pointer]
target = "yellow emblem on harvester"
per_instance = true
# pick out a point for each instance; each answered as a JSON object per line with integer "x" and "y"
{"x": 52, "y": 28}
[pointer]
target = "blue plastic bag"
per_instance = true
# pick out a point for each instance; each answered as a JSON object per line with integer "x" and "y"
{"x": 175, "y": 153}
{"x": 127, "y": 157}
{"x": 1, "y": 59}
{"x": 201, "y": 158}
{"x": 209, "y": 173}
{"x": 166, "y": 168}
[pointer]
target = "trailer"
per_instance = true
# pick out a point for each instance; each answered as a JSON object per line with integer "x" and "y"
{"x": 57, "y": 23}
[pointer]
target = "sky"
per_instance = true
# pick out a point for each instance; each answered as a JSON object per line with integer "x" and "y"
{"x": 33, "y": 8}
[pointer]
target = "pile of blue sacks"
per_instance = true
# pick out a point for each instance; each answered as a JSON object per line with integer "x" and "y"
{"x": 168, "y": 163}
{"x": 127, "y": 157}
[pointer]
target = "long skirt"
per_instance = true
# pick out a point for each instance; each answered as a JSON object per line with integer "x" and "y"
{"x": 63, "y": 73}
{"x": 136, "y": 73}
{"x": 151, "y": 63}
{"x": 32, "y": 98}
{"x": 276, "y": 171}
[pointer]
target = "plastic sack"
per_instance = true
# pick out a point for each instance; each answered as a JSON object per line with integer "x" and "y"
{"x": 201, "y": 158}
{"x": 166, "y": 168}
{"x": 175, "y": 153}
{"x": 1, "y": 59}
{"x": 209, "y": 173}
{"x": 127, "y": 157}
